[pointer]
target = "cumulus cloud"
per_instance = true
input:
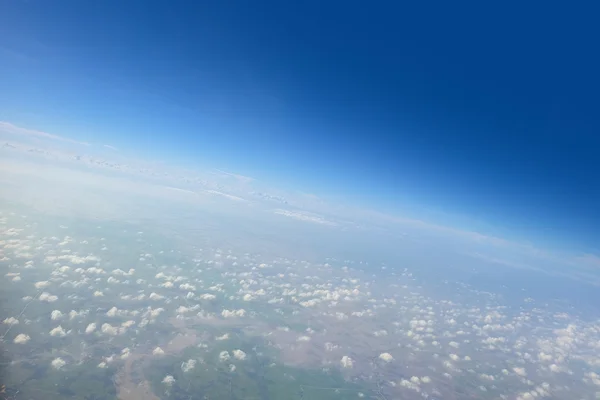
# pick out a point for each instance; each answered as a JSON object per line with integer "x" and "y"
{"x": 41, "y": 284}
{"x": 90, "y": 328}
{"x": 224, "y": 356}
{"x": 188, "y": 365}
{"x": 346, "y": 362}
{"x": 168, "y": 380}
{"x": 58, "y": 363}
{"x": 239, "y": 354}
{"x": 387, "y": 357}
{"x": 233, "y": 313}
{"x": 155, "y": 296}
{"x": 109, "y": 329}
{"x": 11, "y": 321}
{"x": 58, "y": 331}
{"x": 113, "y": 312}
{"x": 158, "y": 351}
{"x": 21, "y": 338}
{"x": 47, "y": 297}
{"x": 55, "y": 315}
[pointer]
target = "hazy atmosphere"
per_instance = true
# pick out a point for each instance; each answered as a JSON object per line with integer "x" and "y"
{"x": 135, "y": 280}
{"x": 312, "y": 201}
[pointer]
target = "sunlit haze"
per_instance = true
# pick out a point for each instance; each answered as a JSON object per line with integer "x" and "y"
{"x": 298, "y": 202}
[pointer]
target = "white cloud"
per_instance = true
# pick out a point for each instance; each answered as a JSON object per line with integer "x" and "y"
{"x": 239, "y": 354}
{"x": 154, "y": 296}
{"x": 109, "y": 329}
{"x": 21, "y": 338}
{"x": 58, "y": 363}
{"x": 47, "y": 297}
{"x": 55, "y": 315}
{"x": 168, "y": 380}
{"x": 233, "y": 313}
{"x": 224, "y": 356}
{"x": 188, "y": 365}
{"x": 346, "y": 362}
{"x": 11, "y": 321}
{"x": 158, "y": 351}
{"x": 387, "y": 357}
{"x": 90, "y": 328}
{"x": 42, "y": 284}
{"x": 58, "y": 331}
{"x": 113, "y": 312}
{"x": 520, "y": 371}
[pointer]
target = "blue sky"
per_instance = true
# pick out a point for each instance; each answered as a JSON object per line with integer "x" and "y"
{"x": 484, "y": 116}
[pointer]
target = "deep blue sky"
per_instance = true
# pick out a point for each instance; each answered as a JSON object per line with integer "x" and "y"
{"x": 487, "y": 111}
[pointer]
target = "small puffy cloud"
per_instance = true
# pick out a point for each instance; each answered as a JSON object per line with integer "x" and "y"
{"x": 208, "y": 296}
{"x": 109, "y": 329}
{"x": 21, "y": 338}
{"x": 158, "y": 351}
{"x": 239, "y": 354}
{"x": 168, "y": 380}
{"x": 11, "y": 321}
{"x": 304, "y": 339}
{"x": 520, "y": 371}
{"x": 233, "y": 313}
{"x": 387, "y": 357}
{"x": 55, "y": 315}
{"x": 47, "y": 297}
{"x": 75, "y": 314}
{"x": 42, "y": 284}
{"x": 188, "y": 365}
{"x": 98, "y": 293}
{"x": 225, "y": 336}
{"x": 224, "y": 356}
{"x": 154, "y": 296}
{"x": 58, "y": 363}
{"x": 187, "y": 287}
{"x": 113, "y": 312}
{"x": 346, "y": 362}
{"x": 125, "y": 353}
{"x": 58, "y": 331}
{"x": 90, "y": 328}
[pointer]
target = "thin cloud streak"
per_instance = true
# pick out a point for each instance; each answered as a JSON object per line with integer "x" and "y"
{"x": 13, "y": 129}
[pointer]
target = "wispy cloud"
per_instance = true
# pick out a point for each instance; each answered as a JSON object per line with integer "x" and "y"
{"x": 13, "y": 129}
{"x": 303, "y": 216}
{"x": 108, "y": 146}
{"x": 236, "y": 176}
